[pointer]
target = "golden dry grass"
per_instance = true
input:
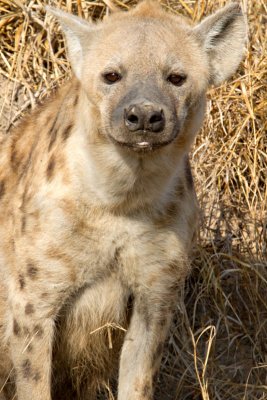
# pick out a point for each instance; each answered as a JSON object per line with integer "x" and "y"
{"x": 218, "y": 344}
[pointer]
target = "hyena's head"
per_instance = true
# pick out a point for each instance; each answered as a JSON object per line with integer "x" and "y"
{"x": 146, "y": 71}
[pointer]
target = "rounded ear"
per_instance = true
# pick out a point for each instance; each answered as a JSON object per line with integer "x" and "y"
{"x": 223, "y": 36}
{"x": 78, "y": 33}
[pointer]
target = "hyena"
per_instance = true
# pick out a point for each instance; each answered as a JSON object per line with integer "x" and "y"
{"x": 98, "y": 208}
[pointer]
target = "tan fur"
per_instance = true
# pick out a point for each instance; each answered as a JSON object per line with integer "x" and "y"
{"x": 95, "y": 235}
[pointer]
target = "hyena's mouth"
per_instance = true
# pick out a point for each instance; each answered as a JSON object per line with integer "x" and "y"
{"x": 143, "y": 145}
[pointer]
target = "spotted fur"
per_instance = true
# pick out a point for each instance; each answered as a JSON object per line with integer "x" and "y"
{"x": 96, "y": 221}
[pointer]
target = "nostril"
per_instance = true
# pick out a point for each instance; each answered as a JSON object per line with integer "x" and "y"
{"x": 132, "y": 118}
{"x": 155, "y": 121}
{"x": 157, "y": 117}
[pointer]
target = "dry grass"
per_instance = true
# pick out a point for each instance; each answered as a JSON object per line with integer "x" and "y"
{"x": 218, "y": 345}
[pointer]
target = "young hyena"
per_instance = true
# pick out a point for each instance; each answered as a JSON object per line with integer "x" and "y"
{"x": 97, "y": 202}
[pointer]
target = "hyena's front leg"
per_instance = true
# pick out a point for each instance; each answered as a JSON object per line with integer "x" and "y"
{"x": 7, "y": 386}
{"x": 144, "y": 342}
{"x": 31, "y": 352}
{"x": 31, "y": 341}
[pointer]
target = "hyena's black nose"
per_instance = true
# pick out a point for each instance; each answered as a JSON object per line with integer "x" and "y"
{"x": 144, "y": 117}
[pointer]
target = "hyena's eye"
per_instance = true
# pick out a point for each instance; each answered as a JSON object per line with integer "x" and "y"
{"x": 177, "y": 79}
{"x": 111, "y": 77}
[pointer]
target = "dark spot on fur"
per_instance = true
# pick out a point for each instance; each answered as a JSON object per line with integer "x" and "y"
{"x": 21, "y": 282}
{"x": 27, "y": 162}
{"x": 76, "y": 100}
{"x": 173, "y": 266}
{"x": 158, "y": 352}
{"x": 53, "y": 133}
{"x": 129, "y": 308}
{"x": 117, "y": 254}
{"x": 50, "y": 168}
{"x": 14, "y": 161}
{"x": 171, "y": 209}
{"x": 2, "y": 189}
{"x": 29, "y": 348}
{"x": 155, "y": 376}
{"x": 23, "y": 224}
{"x": 188, "y": 174}
{"x": 26, "y": 331}
{"x": 188, "y": 101}
{"x": 36, "y": 376}
{"x": 29, "y": 309}
{"x": 143, "y": 310}
{"x": 172, "y": 269}
{"x": 66, "y": 132}
{"x": 16, "y": 328}
{"x": 114, "y": 263}
{"x": 38, "y": 331}
{"x": 146, "y": 391}
{"x": 44, "y": 295}
{"x": 32, "y": 270}
{"x": 26, "y": 369}
{"x": 24, "y": 199}
{"x": 162, "y": 321}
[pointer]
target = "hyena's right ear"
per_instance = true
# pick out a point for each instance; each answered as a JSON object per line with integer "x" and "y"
{"x": 77, "y": 32}
{"x": 223, "y": 35}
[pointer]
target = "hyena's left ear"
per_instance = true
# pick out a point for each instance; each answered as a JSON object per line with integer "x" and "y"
{"x": 223, "y": 36}
{"x": 78, "y": 34}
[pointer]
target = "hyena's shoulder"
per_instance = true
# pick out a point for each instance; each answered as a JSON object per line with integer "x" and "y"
{"x": 35, "y": 137}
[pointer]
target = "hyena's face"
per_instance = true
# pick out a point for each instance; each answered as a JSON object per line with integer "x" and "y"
{"x": 146, "y": 78}
{"x": 146, "y": 71}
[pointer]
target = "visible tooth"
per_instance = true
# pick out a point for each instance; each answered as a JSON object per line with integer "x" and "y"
{"x": 143, "y": 144}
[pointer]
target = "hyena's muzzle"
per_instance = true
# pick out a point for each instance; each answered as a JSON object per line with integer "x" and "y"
{"x": 144, "y": 119}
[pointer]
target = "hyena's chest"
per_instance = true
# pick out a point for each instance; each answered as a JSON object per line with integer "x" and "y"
{"x": 97, "y": 248}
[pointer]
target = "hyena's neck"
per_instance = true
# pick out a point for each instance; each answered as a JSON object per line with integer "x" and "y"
{"x": 111, "y": 176}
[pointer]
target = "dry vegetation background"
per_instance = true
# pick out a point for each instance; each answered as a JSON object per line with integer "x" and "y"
{"x": 218, "y": 344}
